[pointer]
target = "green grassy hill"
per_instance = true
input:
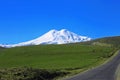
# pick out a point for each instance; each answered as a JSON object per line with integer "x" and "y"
{"x": 70, "y": 58}
{"x": 110, "y": 41}
{"x": 53, "y": 56}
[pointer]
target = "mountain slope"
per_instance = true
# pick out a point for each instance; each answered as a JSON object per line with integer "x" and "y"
{"x": 113, "y": 41}
{"x": 54, "y": 37}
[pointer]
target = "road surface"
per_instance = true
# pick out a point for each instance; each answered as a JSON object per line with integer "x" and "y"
{"x": 104, "y": 72}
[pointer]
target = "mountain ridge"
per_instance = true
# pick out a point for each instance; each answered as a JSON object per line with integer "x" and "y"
{"x": 53, "y": 37}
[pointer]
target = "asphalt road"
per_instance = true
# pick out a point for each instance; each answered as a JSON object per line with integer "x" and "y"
{"x": 104, "y": 72}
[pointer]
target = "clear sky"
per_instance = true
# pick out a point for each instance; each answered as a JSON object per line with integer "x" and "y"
{"x": 22, "y": 20}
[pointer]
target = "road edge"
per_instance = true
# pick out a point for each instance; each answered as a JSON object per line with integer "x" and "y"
{"x": 106, "y": 61}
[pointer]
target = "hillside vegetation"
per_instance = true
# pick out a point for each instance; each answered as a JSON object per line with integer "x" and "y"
{"x": 53, "y": 56}
{"x": 107, "y": 41}
{"x": 59, "y": 58}
{"x": 27, "y": 73}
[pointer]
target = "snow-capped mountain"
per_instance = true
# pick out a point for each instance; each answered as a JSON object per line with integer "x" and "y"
{"x": 53, "y": 37}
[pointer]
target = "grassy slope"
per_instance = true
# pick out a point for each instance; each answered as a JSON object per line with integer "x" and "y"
{"x": 53, "y": 56}
{"x": 113, "y": 41}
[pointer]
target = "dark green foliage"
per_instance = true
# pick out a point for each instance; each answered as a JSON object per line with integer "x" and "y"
{"x": 29, "y": 74}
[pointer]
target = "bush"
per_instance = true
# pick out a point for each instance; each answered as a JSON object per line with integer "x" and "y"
{"x": 29, "y": 74}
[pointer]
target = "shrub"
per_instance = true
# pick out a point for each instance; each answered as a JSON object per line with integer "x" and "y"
{"x": 29, "y": 74}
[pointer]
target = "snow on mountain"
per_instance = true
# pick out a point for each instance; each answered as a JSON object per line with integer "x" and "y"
{"x": 53, "y": 37}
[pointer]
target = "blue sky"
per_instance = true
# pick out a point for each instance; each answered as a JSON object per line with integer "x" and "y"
{"x": 22, "y": 20}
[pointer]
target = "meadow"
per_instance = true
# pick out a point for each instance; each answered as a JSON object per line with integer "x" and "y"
{"x": 54, "y": 56}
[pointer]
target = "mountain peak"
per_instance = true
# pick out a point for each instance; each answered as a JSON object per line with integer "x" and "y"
{"x": 63, "y": 30}
{"x": 54, "y": 37}
{"x": 53, "y": 30}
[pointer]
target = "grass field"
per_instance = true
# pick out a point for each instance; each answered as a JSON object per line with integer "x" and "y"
{"x": 53, "y": 56}
{"x": 55, "y": 60}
